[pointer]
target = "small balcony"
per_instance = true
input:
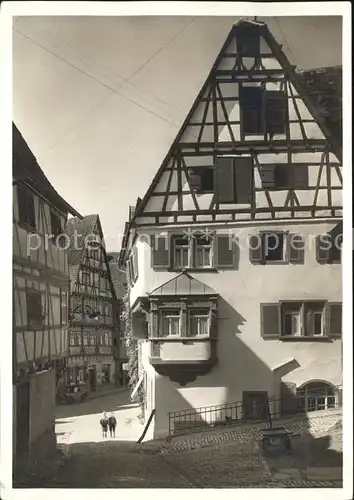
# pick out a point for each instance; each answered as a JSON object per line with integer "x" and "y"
{"x": 183, "y": 359}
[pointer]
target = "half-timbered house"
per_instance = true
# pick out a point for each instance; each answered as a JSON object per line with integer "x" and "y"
{"x": 40, "y": 300}
{"x": 93, "y": 310}
{"x": 233, "y": 254}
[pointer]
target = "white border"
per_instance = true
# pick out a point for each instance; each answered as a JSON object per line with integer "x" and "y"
{"x": 9, "y": 9}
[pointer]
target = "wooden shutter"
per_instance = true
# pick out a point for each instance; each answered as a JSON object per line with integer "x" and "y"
{"x": 251, "y": 102}
{"x": 334, "y": 323}
{"x": 300, "y": 176}
{"x": 243, "y": 176}
{"x": 296, "y": 249}
{"x": 195, "y": 180}
{"x": 322, "y": 250}
{"x": 225, "y": 251}
{"x": 160, "y": 252}
{"x": 135, "y": 264}
{"x": 270, "y": 320}
{"x": 127, "y": 272}
{"x": 256, "y": 249}
{"x": 224, "y": 180}
{"x": 275, "y": 111}
{"x": 268, "y": 176}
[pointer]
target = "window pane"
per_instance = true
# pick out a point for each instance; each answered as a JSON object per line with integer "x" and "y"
{"x": 273, "y": 244}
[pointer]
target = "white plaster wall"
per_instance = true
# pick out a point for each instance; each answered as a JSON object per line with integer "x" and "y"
{"x": 177, "y": 351}
{"x": 246, "y": 362}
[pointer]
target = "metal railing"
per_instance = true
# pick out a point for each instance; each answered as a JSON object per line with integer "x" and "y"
{"x": 251, "y": 412}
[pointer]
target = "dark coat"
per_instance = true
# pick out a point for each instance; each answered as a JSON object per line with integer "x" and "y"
{"x": 112, "y": 422}
{"x": 104, "y": 423}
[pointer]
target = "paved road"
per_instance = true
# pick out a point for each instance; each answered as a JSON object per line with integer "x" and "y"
{"x": 80, "y": 423}
{"x": 121, "y": 463}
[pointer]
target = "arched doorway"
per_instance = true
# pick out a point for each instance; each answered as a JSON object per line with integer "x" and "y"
{"x": 317, "y": 395}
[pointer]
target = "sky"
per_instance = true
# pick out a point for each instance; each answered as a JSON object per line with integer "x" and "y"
{"x": 99, "y": 100}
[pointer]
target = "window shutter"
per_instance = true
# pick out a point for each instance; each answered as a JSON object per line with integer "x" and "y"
{"x": 334, "y": 319}
{"x": 268, "y": 176}
{"x": 296, "y": 249}
{"x": 225, "y": 252}
{"x": 322, "y": 250}
{"x": 270, "y": 320}
{"x": 256, "y": 249}
{"x": 160, "y": 252}
{"x": 276, "y": 104}
{"x": 251, "y": 101}
{"x": 135, "y": 264}
{"x": 195, "y": 180}
{"x": 224, "y": 180}
{"x": 243, "y": 179}
{"x": 300, "y": 176}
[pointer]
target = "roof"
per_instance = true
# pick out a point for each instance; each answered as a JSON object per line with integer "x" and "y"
{"x": 25, "y": 168}
{"x": 322, "y": 93}
{"x": 183, "y": 285}
{"x": 83, "y": 227}
{"x": 324, "y": 87}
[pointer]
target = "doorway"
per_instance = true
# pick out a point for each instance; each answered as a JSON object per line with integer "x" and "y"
{"x": 92, "y": 379}
{"x": 255, "y": 405}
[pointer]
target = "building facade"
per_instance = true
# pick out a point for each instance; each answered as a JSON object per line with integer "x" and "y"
{"x": 40, "y": 303}
{"x": 120, "y": 287}
{"x": 233, "y": 255}
{"x": 93, "y": 310}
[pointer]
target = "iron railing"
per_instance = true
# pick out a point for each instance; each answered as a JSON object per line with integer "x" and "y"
{"x": 262, "y": 410}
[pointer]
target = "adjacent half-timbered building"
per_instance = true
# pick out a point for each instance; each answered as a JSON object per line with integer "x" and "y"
{"x": 40, "y": 300}
{"x": 93, "y": 310}
{"x": 233, "y": 254}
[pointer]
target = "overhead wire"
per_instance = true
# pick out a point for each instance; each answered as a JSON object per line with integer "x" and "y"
{"x": 95, "y": 79}
{"x": 123, "y": 80}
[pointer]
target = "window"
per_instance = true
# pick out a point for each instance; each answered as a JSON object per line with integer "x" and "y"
{"x": 72, "y": 339}
{"x": 194, "y": 251}
{"x": 276, "y": 247}
{"x": 262, "y": 111}
{"x": 316, "y": 396}
{"x": 169, "y": 322}
{"x": 202, "y": 179}
{"x": 198, "y": 322}
{"x": 35, "y": 316}
{"x": 181, "y": 252}
{"x": 85, "y": 338}
{"x": 203, "y": 250}
{"x": 25, "y": 201}
{"x": 234, "y": 179}
{"x": 301, "y": 320}
{"x": 285, "y": 176}
{"x": 203, "y": 247}
{"x": 248, "y": 43}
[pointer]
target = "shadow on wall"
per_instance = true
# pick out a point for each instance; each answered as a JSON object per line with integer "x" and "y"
{"x": 245, "y": 379}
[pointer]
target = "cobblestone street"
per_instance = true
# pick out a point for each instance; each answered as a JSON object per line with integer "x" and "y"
{"x": 218, "y": 459}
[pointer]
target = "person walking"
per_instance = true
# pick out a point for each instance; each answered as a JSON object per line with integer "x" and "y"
{"x": 112, "y": 422}
{"x": 104, "y": 425}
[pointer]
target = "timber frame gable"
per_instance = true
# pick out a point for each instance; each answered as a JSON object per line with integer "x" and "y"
{"x": 93, "y": 302}
{"x": 253, "y": 146}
